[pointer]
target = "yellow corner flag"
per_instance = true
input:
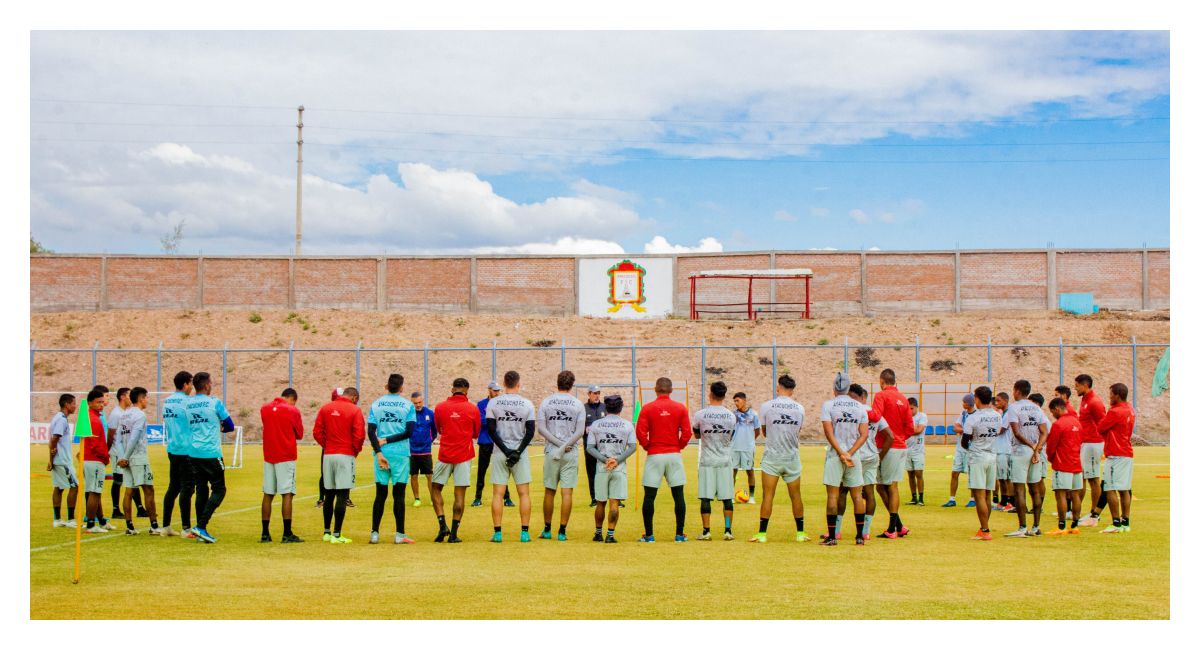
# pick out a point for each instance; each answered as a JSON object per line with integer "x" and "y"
{"x": 83, "y": 429}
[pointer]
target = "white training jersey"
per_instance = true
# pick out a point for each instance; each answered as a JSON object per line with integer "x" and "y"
{"x": 743, "y": 433}
{"x": 113, "y": 420}
{"x": 560, "y": 420}
{"x": 916, "y": 442}
{"x": 962, "y": 421}
{"x": 714, "y": 426}
{"x": 613, "y": 436}
{"x": 1003, "y": 444}
{"x": 61, "y": 427}
{"x": 984, "y": 427}
{"x": 846, "y": 414}
{"x": 782, "y": 419}
{"x": 870, "y": 447}
{"x": 511, "y": 412}
{"x": 132, "y": 433}
{"x": 1027, "y": 416}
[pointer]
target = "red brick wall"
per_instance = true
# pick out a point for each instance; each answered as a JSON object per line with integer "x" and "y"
{"x": 835, "y": 283}
{"x": 429, "y": 284}
{"x": 336, "y": 283}
{"x": 1160, "y": 280}
{"x": 525, "y": 285}
{"x": 908, "y": 282}
{"x": 64, "y": 283}
{"x": 153, "y": 283}
{"x": 245, "y": 283}
{"x": 1114, "y": 279}
{"x": 1002, "y": 280}
{"x": 717, "y": 290}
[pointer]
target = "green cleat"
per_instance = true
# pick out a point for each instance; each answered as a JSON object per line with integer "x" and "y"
{"x": 525, "y": 536}
{"x": 760, "y": 538}
{"x": 497, "y": 537}
{"x": 801, "y": 536}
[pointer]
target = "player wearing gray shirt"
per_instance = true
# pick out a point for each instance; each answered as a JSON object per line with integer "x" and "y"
{"x": 714, "y": 426}
{"x": 611, "y": 440}
{"x": 979, "y": 434}
{"x": 510, "y": 423}
{"x": 1027, "y": 425}
{"x": 133, "y": 460}
{"x": 61, "y": 465}
{"x": 846, "y": 424}
{"x": 914, "y": 464}
{"x": 560, "y": 421}
{"x": 782, "y": 419}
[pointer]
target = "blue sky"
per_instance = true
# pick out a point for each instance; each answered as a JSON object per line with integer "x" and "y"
{"x": 448, "y": 142}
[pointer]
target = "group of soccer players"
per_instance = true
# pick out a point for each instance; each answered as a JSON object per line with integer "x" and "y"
{"x": 1005, "y": 447}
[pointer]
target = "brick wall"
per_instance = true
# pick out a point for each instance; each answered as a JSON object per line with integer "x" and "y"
{"x": 718, "y": 290}
{"x": 429, "y": 285}
{"x": 906, "y": 282}
{"x": 64, "y": 283}
{"x": 1160, "y": 280}
{"x": 1113, "y": 278}
{"x": 153, "y": 283}
{"x": 1002, "y": 280}
{"x": 337, "y": 283}
{"x": 245, "y": 283}
{"x": 537, "y": 285}
{"x": 836, "y": 282}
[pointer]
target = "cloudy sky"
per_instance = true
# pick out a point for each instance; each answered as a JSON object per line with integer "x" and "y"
{"x": 599, "y": 142}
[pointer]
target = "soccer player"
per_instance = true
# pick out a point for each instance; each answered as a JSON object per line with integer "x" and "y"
{"x": 511, "y": 425}
{"x": 134, "y": 460}
{"x": 915, "y": 465}
{"x": 663, "y": 430}
{"x": 1091, "y": 451}
{"x": 611, "y": 441}
{"x": 1027, "y": 424}
{"x": 959, "y": 465}
{"x": 979, "y": 434}
{"x": 713, "y": 427}
{"x": 95, "y": 458}
{"x": 1117, "y": 429}
{"x": 1064, "y": 393}
{"x": 179, "y": 449}
{"x": 340, "y": 431}
{"x": 845, "y": 423}
{"x": 61, "y": 465}
{"x": 560, "y": 421}
{"x": 112, "y": 424}
{"x": 593, "y": 410}
{"x": 209, "y": 420}
{"x": 421, "y": 447}
{"x": 782, "y": 418}
{"x": 1062, "y": 450}
{"x": 391, "y": 423}
{"x": 892, "y": 406}
{"x": 458, "y": 421}
{"x": 282, "y": 427}
{"x": 1002, "y": 497}
{"x": 749, "y": 427}
{"x": 486, "y": 446}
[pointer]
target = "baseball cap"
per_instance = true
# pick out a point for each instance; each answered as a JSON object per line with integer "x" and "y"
{"x": 969, "y": 399}
{"x": 841, "y": 382}
{"x": 593, "y": 388}
{"x": 494, "y": 385}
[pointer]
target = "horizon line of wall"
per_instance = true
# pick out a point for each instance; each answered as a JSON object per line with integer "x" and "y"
{"x": 844, "y": 282}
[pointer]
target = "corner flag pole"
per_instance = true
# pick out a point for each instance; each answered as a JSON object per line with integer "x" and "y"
{"x": 637, "y": 463}
{"x": 83, "y": 429}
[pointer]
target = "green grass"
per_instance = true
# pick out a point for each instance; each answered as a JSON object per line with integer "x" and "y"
{"x": 934, "y": 573}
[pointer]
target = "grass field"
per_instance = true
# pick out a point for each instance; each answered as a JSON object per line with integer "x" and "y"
{"x": 937, "y": 572}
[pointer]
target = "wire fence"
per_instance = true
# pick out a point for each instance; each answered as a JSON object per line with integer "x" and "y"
{"x": 245, "y": 378}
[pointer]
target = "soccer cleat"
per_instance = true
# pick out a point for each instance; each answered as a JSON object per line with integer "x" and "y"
{"x": 326, "y": 537}
{"x": 828, "y": 541}
{"x": 982, "y": 536}
{"x": 401, "y": 538}
{"x": 758, "y": 538}
{"x": 161, "y": 532}
{"x": 350, "y": 503}
{"x": 597, "y": 537}
{"x": 108, "y": 525}
{"x": 476, "y": 503}
{"x": 59, "y": 523}
{"x": 319, "y": 504}
{"x": 1111, "y": 529}
{"x": 167, "y": 531}
{"x": 545, "y": 534}
{"x": 593, "y": 504}
{"x": 562, "y": 537}
{"x": 374, "y": 539}
{"x": 866, "y": 536}
{"x": 912, "y": 502}
{"x": 416, "y": 503}
{"x": 752, "y": 501}
{"x": 859, "y": 541}
{"x": 203, "y": 536}
{"x": 188, "y": 534}
{"x": 71, "y": 523}
{"x": 949, "y": 504}
{"x": 340, "y": 539}
{"x": 497, "y": 537}
{"x": 131, "y": 531}
{"x": 290, "y": 539}
{"x": 648, "y": 539}
{"x": 265, "y": 539}
{"x": 970, "y": 504}
{"x": 117, "y": 514}
{"x": 903, "y": 532}
{"x": 996, "y": 506}
{"x": 443, "y": 533}
{"x": 681, "y": 538}
{"x": 454, "y": 539}
{"x": 1020, "y": 532}
{"x": 1058, "y": 532}
{"x": 525, "y": 536}
{"x": 704, "y": 537}
{"x": 508, "y": 503}
{"x": 890, "y": 535}
{"x": 728, "y": 536}
{"x": 620, "y": 504}
{"x": 1036, "y": 531}
{"x": 610, "y": 540}
{"x": 823, "y": 536}
{"x": 1009, "y": 508}
{"x": 1125, "y": 528}
{"x": 802, "y": 536}
{"x": 921, "y": 503}
{"x": 1073, "y": 531}
{"x": 94, "y": 530}
{"x": 1089, "y": 521}
{"x": 141, "y": 512}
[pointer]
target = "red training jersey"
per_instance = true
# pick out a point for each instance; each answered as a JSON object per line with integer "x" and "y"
{"x": 1062, "y": 444}
{"x": 664, "y": 426}
{"x": 457, "y": 421}
{"x": 339, "y": 428}
{"x": 1117, "y": 429}
{"x": 873, "y": 416}
{"x": 1071, "y": 409}
{"x": 282, "y": 427}
{"x": 95, "y": 447}
{"x": 893, "y": 406}
{"x": 1091, "y": 411}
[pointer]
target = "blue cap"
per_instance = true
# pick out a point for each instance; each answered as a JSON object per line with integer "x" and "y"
{"x": 969, "y": 399}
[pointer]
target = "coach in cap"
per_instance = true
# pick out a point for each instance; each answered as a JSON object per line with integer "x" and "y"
{"x": 593, "y": 410}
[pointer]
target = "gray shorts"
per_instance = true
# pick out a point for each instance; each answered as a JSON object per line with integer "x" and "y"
{"x": 562, "y": 473}
{"x": 1022, "y": 469}
{"x": 338, "y": 470}
{"x": 1003, "y": 465}
{"x": 743, "y": 460}
{"x": 611, "y": 485}
{"x": 1067, "y": 481}
{"x": 960, "y": 460}
{"x": 870, "y": 468}
{"x": 520, "y": 473}
{"x": 837, "y": 474}
{"x": 93, "y": 476}
{"x": 63, "y": 477}
{"x": 1091, "y": 455}
{"x": 714, "y": 482}
{"x": 787, "y": 469}
{"x": 136, "y": 475}
{"x": 660, "y": 466}
{"x": 1118, "y": 473}
{"x": 460, "y": 472}
{"x": 981, "y": 471}
{"x": 915, "y": 462}
{"x": 279, "y": 478}
{"x": 891, "y": 467}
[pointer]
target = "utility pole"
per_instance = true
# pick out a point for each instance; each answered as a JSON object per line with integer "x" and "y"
{"x": 299, "y": 172}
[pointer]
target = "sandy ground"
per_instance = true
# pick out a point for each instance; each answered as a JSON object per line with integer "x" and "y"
{"x": 256, "y": 376}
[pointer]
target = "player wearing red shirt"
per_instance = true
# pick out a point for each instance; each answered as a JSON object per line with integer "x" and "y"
{"x": 95, "y": 457}
{"x": 893, "y": 406}
{"x": 282, "y": 427}
{"x": 1062, "y": 450}
{"x": 340, "y": 431}
{"x": 664, "y": 428}
{"x": 458, "y": 423}
{"x": 1091, "y": 451}
{"x": 1117, "y": 429}
{"x": 1065, "y": 394}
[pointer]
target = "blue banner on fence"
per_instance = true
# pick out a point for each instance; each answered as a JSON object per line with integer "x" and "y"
{"x": 155, "y": 434}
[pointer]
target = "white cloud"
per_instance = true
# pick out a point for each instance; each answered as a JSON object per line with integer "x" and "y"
{"x": 859, "y": 215}
{"x": 563, "y": 246}
{"x": 659, "y": 244}
{"x": 824, "y": 248}
{"x": 784, "y": 215}
{"x": 887, "y": 217}
{"x": 819, "y": 213}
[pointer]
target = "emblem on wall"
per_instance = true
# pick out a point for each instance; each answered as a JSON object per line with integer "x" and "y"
{"x": 626, "y": 286}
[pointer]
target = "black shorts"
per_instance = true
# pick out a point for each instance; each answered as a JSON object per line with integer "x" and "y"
{"x": 422, "y": 464}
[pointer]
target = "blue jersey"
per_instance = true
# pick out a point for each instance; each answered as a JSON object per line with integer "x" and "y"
{"x": 205, "y": 415}
{"x": 175, "y": 424}
{"x": 484, "y": 438}
{"x": 390, "y": 414}
{"x": 424, "y": 433}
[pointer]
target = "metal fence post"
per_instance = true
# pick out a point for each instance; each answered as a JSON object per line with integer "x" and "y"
{"x": 562, "y": 357}
{"x": 425, "y": 388}
{"x": 32, "y": 351}
{"x": 291, "y": 353}
{"x": 846, "y": 355}
{"x": 1133, "y": 348}
{"x": 225, "y": 374}
{"x": 989, "y": 358}
{"x": 158, "y": 381}
{"x": 1060, "y": 361}
{"x": 774, "y": 367}
{"x": 703, "y": 365}
{"x": 493, "y": 359}
{"x": 95, "y": 346}
{"x": 633, "y": 369}
{"x": 358, "y": 367}
{"x": 917, "y": 357}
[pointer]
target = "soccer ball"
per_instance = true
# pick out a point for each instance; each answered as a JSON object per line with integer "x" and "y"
{"x": 741, "y": 497}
